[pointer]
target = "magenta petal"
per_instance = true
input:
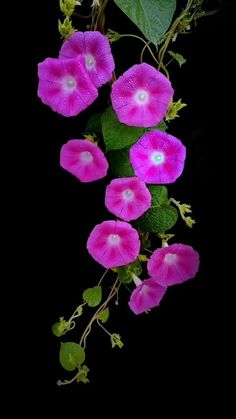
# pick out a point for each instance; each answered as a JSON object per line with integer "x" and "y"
{"x": 141, "y": 96}
{"x": 173, "y": 264}
{"x": 158, "y": 157}
{"x": 96, "y": 51}
{"x": 146, "y": 296}
{"x": 127, "y": 198}
{"x": 84, "y": 160}
{"x": 65, "y": 86}
{"x": 113, "y": 244}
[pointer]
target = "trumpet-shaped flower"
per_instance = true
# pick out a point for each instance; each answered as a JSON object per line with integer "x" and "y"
{"x": 65, "y": 85}
{"x": 173, "y": 264}
{"x": 127, "y": 198}
{"x": 84, "y": 160}
{"x": 113, "y": 244}
{"x": 141, "y": 96}
{"x": 158, "y": 157}
{"x": 147, "y": 295}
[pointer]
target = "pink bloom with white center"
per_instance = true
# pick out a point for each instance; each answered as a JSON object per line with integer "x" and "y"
{"x": 84, "y": 160}
{"x": 147, "y": 295}
{"x": 113, "y": 244}
{"x": 65, "y": 86}
{"x": 127, "y": 198}
{"x": 158, "y": 157}
{"x": 141, "y": 96}
{"x": 96, "y": 50}
{"x": 173, "y": 264}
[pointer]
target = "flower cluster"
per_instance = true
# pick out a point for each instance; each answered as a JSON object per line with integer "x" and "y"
{"x": 167, "y": 266}
{"x": 147, "y": 159}
{"x": 68, "y": 84}
{"x": 140, "y": 97}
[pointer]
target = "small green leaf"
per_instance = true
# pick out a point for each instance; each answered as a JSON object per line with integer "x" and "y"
{"x": 117, "y": 135}
{"x": 104, "y": 315}
{"x": 116, "y": 341}
{"x": 94, "y": 125}
{"x": 65, "y": 28}
{"x": 125, "y": 272}
{"x": 152, "y": 17}
{"x": 142, "y": 258}
{"x": 71, "y": 355}
{"x": 119, "y": 162}
{"x": 59, "y": 328}
{"x": 79, "y": 310}
{"x": 82, "y": 375}
{"x": 93, "y": 296}
{"x": 158, "y": 219}
{"x": 178, "y": 57}
{"x": 173, "y": 110}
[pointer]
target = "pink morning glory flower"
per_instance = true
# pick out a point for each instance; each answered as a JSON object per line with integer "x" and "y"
{"x": 96, "y": 50}
{"x": 65, "y": 86}
{"x": 141, "y": 96}
{"x": 158, "y": 157}
{"x": 147, "y": 295}
{"x": 84, "y": 160}
{"x": 173, "y": 264}
{"x": 113, "y": 244}
{"x": 127, "y": 198}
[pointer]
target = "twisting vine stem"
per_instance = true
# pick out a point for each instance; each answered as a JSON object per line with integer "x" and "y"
{"x": 87, "y": 330}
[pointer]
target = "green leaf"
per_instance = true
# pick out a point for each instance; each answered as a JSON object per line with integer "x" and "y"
{"x": 93, "y": 296}
{"x": 117, "y": 135}
{"x": 104, "y": 315}
{"x": 119, "y": 163}
{"x": 178, "y": 57}
{"x": 152, "y": 17}
{"x": 159, "y": 194}
{"x": 161, "y": 216}
{"x": 71, "y": 355}
{"x": 94, "y": 124}
{"x": 125, "y": 272}
{"x": 158, "y": 219}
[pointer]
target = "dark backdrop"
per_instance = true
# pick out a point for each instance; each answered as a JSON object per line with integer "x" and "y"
{"x": 171, "y": 351}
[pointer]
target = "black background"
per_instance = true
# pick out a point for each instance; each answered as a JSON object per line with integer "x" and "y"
{"x": 169, "y": 354}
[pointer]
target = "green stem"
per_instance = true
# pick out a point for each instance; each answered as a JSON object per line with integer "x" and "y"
{"x": 65, "y": 382}
{"x": 142, "y": 52}
{"x": 75, "y": 314}
{"x": 103, "y": 276}
{"x": 171, "y": 33}
{"x": 87, "y": 330}
{"x": 102, "y": 327}
{"x": 141, "y": 39}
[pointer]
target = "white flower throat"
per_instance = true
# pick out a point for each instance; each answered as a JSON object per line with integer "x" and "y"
{"x": 114, "y": 239}
{"x": 90, "y": 61}
{"x": 141, "y": 97}
{"x": 157, "y": 158}
{"x": 70, "y": 83}
{"x": 86, "y": 156}
{"x": 128, "y": 195}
